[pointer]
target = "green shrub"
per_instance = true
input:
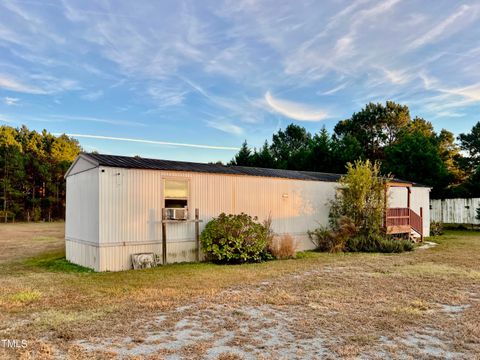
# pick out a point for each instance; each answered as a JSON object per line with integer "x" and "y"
{"x": 333, "y": 240}
{"x": 321, "y": 237}
{"x": 360, "y": 197}
{"x": 395, "y": 245}
{"x": 381, "y": 244}
{"x": 436, "y": 228}
{"x": 356, "y": 214}
{"x": 235, "y": 239}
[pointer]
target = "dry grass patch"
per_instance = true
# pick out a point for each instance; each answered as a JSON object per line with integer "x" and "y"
{"x": 23, "y": 297}
{"x": 283, "y": 247}
{"x": 319, "y": 305}
{"x": 30, "y": 239}
{"x": 433, "y": 269}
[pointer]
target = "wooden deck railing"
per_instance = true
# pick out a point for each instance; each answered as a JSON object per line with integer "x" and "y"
{"x": 416, "y": 222}
{"x": 403, "y": 218}
{"x": 398, "y": 217}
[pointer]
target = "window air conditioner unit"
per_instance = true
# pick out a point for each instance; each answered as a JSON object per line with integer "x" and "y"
{"x": 176, "y": 213}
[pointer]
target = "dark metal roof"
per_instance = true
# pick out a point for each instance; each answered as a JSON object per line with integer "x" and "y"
{"x": 157, "y": 164}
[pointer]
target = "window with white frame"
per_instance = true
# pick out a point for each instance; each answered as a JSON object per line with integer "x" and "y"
{"x": 175, "y": 193}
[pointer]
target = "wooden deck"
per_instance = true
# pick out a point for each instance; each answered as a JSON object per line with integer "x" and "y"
{"x": 398, "y": 229}
{"x": 403, "y": 221}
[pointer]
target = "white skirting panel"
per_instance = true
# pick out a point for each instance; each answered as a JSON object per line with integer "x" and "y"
{"x": 303, "y": 243}
{"x": 184, "y": 251}
{"x": 82, "y": 253}
{"x": 118, "y": 257}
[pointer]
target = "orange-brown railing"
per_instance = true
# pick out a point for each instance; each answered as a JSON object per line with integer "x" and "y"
{"x": 398, "y": 217}
{"x": 416, "y": 222}
{"x": 404, "y": 217}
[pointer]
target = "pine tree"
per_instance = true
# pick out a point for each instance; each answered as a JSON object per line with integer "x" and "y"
{"x": 242, "y": 158}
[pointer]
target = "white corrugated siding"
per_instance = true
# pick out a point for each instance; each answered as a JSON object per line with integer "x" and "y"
{"x": 131, "y": 201}
{"x": 455, "y": 211}
{"x": 118, "y": 211}
{"x": 81, "y": 220}
{"x": 397, "y": 197}
{"x": 83, "y": 254}
{"x": 81, "y": 165}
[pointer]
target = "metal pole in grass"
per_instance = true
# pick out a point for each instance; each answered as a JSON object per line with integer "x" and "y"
{"x": 164, "y": 236}
{"x": 197, "y": 235}
{"x": 421, "y": 217}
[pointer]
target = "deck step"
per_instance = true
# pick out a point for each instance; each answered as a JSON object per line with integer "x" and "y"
{"x": 414, "y": 236}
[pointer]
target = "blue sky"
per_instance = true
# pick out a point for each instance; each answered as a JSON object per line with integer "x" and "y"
{"x": 213, "y": 73}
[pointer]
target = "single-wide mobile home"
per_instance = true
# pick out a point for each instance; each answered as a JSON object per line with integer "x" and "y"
{"x": 118, "y": 206}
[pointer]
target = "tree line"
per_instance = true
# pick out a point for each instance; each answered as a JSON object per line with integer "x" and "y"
{"x": 32, "y": 166}
{"x": 406, "y": 148}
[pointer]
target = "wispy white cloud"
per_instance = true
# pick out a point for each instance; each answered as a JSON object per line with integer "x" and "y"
{"x": 6, "y": 119}
{"x": 92, "y": 96}
{"x": 95, "y": 119}
{"x": 133, "y": 38}
{"x": 363, "y": 15}
{"x": 341, "y": 47}
{"x": 10, "y": 101}
{"x": 294, "y": 110}
{"x": 80, "y": 14}
{"x": 167, "y": 95}
{"x": 245, "y": 110}
{"x": 428, "y": 81}
{"x": 210, "y": 61}
{"x": 336, "y": 20}
{"x": 448, "y": 26}
{"x": 344, "y": 45}
{"x": 8, "y": 82}
{"x": 55, "y": 118}
{"x": 153, "y": 142}
{"x": 443, "y": 104}
{"x": 447, "y": 102}
{"x": 53, "y": 84}
{"x": 9, "y": 36}
{"x": 199, "y": 89}
{"x": 225, "y": 127}
{"x": 39, "y": 59}
{"x": 38, "y": 84}
{"x": 450, "y": 114}
{"x": 32, "y": 29}
{"x": 333, "y": 90}
{"x": 469, "y": 93}
{"x": 397, "y": 77}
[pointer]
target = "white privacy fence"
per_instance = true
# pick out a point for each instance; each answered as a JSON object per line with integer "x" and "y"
{"x": 455, "y": 211}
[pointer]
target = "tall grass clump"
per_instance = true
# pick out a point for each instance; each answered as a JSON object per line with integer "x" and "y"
{"x": 283, "y": 247}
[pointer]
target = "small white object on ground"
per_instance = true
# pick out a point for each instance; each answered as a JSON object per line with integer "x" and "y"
{"x": 427, "y": 245}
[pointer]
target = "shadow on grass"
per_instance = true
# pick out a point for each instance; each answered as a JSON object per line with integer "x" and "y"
{"x": 55, "y": 262}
